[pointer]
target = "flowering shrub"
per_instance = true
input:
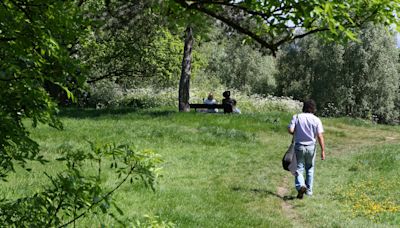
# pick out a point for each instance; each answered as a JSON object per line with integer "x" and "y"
{"x": 150, "y": 98}
{"x": 105, "y": 94}
{"x": 331, "y": 110}
{"x": 111, "y": 95}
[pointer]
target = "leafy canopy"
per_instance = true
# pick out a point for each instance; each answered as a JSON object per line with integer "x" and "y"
{"x": 273, "y": 23}
{"x": 37, "y": 39}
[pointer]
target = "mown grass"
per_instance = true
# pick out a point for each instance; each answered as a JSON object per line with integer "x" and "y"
{"x": 225, "y": 170}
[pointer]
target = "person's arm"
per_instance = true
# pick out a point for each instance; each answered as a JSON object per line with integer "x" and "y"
{"x": 322, "y": 144}
{"x": 292, "y": 125}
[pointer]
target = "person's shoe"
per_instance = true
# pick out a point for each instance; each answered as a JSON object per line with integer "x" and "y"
{"x": 301, "y": 192}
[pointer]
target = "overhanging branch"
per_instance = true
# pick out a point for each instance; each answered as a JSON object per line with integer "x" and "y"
{"x": 232, "y": 24}
{"x": 131, "y": 170}
{"x": 116, "y": 73}
{"x": 285, "y": 32}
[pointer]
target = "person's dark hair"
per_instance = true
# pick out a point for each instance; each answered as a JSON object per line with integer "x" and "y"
{"x": 226, "y": 94}
{"x": 309, "y": 106}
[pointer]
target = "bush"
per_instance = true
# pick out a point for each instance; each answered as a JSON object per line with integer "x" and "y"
{"x": 111, "y": 95}
{"x": 105, "y": 94}
{"x": 150, "y": 98}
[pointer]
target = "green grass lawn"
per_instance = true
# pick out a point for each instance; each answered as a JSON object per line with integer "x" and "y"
{"x": 225, "y": 170}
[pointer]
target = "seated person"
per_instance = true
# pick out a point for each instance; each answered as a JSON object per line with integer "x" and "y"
{"x": 227, "y": 102}
{"x": 234, "y": 108}
{"x": 210, "y": 100}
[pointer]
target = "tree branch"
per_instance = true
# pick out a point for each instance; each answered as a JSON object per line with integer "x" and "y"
{"x": 230, "y": 23}
{"x": 279, "y": 12}
{"x": 309, "y": 33}
{"x": 80, "y": 3}
{"x": 235, "y": 6}
{"x": 56, "y": 211}
{"x": 102, "y": 198}
{"x": 116, "y": 73}
{"x": 22, "y": 9}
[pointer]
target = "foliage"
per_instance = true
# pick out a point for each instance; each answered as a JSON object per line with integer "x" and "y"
{"x": 273, "y": 23}
{"x": 110, "y": 95}
{"x": 105, "y": 94}
{"x": 79, "y": 189}
{"x": 310, "y": 69}
{"x": 356, "y": 79}
{"x": 374, "y": 78}
{"x": 132, "y": 46}
{"x": 37, "y": 39}
{"x": 39, "y": 43}
{"x": 239, "y": 66}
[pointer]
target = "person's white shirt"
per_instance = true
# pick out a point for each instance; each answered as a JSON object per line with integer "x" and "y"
{"x": 212, "y": 101}
{"x": 308, "y": 126}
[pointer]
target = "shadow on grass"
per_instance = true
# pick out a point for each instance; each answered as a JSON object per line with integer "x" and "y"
{"x": 159, "y": 113}
{"x": 263, "y": 192}
{"x": 80, "y": 113}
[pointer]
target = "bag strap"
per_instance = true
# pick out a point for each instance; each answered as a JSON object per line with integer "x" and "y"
{"x": 295, "y": 124}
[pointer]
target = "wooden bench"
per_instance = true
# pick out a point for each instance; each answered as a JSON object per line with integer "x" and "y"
{"x": 226, "y": 107}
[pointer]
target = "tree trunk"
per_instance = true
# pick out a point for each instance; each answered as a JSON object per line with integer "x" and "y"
{"x": 184, "y": 83}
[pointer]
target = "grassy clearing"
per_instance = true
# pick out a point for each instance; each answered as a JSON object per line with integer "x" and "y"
{"x": 224, "y": 170}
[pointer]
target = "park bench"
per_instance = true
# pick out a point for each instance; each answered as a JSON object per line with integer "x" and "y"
{"x": 226, "y": 107}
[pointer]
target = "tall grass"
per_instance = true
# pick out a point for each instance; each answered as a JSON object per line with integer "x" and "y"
{"x": 224, "y": 170}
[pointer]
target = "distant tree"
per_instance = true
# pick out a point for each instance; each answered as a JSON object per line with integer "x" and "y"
{"x": 356, "y": 79}
{"x": 373, "y": 68}
{"x": 239, "y": 65}
{"x": 311, "y": 68}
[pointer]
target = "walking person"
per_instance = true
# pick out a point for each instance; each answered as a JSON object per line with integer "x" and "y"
{"x": 307, "y": 129}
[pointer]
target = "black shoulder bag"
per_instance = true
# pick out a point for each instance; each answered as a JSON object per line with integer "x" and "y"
{"x": 289, "y": 161}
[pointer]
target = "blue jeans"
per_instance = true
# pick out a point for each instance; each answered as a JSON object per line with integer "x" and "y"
{"x": 305, "y": 161}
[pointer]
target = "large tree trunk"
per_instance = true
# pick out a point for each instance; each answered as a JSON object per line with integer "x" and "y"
{"x": 184, "y": 83}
